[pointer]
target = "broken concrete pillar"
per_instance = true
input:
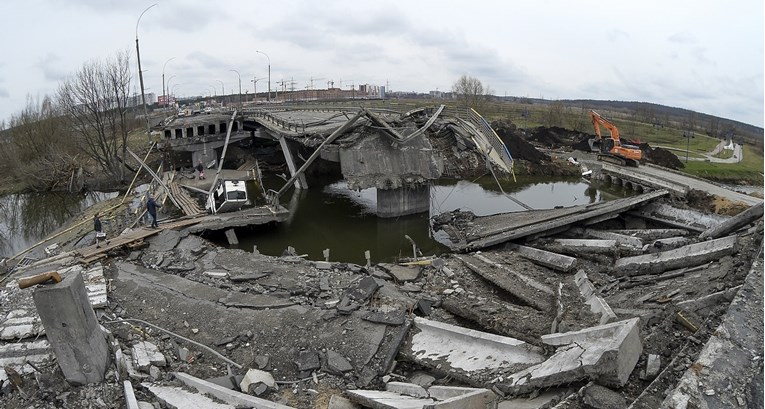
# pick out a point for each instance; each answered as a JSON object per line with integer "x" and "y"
{"x": 622, "y": 239}
{"x": 734, "y": 223}
{"x": 686, "y": 256}
{"x": 73, "y": 330}
{"x": 605, "y": 353}
{"x": 300, "y": 182}
{"x": 652, "y": 234}
{"x": 547, "y": 259}
{"x": 231, "y": 237}
{"x": 403, "y": 201}
{"x": 591, "y": 246}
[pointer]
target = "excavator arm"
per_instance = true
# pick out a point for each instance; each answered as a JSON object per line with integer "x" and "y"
{"x": 598, "y": 121}
{"x": 612, "y": 149}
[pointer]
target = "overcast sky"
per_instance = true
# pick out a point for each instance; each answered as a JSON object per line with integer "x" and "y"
{"x": 701, "y": 55}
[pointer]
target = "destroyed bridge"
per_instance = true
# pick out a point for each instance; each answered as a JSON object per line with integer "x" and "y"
{"x": 375, "y": 148}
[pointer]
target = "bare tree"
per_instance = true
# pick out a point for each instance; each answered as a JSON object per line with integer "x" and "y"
{"x": 470, "y": 92}
{"x": 95, "y": 102}
{"x": 554, "y": 114}
{"x": 38, "y": 154}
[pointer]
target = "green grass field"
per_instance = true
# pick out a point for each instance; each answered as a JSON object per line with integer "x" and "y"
{"x": 749, "y": 169}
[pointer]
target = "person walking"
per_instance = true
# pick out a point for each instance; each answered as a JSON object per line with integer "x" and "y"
{"x": 201, "y": 170}
{"x": 151, "y": 207}
{"x": 98, "y": 229}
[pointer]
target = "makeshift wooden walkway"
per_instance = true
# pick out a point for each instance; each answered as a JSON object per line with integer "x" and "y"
{"x": 189, "y": 206}
{"x": 133, "y": 238}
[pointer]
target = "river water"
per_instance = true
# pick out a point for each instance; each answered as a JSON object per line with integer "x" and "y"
{"x": 27, "y": 218}
{"x": 327, "y": 216}
{"x": 343, "y": 221}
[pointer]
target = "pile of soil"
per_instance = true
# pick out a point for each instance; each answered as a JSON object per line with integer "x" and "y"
{"x": 554, "y": 137}
{"x": 582, "y": 145}
{"x": 663, "y": 157}
{"x": 519, "y": 148}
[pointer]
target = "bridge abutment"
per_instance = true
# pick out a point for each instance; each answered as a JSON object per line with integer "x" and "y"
{"x": 403, "y": 201}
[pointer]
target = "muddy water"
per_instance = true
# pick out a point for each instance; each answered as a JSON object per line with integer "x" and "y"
{"x": 343, "y": 221}
{"x": 27, "y": 218}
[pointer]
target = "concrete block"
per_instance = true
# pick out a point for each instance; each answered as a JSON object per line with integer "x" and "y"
{"x": 73, "y": 330}
{"x": 621, "y": 239}
{"x": 130, "y": 400}
{"x": 470, "y": 399}
{"x": 339, "y": 402}
{"x": 386, "y": 400}
{"x": 686, "y": 256}
{"x": 255, "y": 376}
{"x": 233, "y": 398}
{"x": 600, "y": 397}
{"x": 401, "y": 273}
{"x": 177, "y": 398}
{"x": 587, "y": 245}
{"x": 545, "y": 258}
{"x": 597, "y": 304}
{"x": 337, "y": 363}
{"x": 605, "y": 353}
{"x": 469, "y": 353}
{"x": 652, "y": 366}
{"x": 146, "y": 354}
{"x": 408, "y": 389}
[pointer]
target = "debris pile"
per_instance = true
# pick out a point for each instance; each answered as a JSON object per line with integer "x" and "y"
{"x": 618, "y": 302}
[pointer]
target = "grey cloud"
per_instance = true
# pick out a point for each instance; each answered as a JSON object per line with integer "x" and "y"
{"x": 49, "y": 65}
{"x": 190, "y": 19}
{"x": 4, "y": 93}
{"x": 681, "y": 38}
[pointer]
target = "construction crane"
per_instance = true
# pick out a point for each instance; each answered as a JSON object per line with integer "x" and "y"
{"x": 611, "y": 149}
{"x": 312, "y": 80}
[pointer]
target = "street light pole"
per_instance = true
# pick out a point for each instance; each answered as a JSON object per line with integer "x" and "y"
{"x": 140, "y": 74}
{"x": 268, "y": 97}
{"x": 254, "y": 81}
{"x": 163, "y": 80}
{"x": 222, "y": 88}
{"x": 168, "y": 83}
{"x": 240, "y": 87}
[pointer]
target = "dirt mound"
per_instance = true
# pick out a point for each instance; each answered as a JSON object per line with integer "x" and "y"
{"x": 582, "y": 145}
{"x": 554, "y": 137}
{"x": 519, "y": 148}
{"x": 660, "y": 156}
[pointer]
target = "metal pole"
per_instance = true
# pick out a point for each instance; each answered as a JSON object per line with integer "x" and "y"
{"x": 268, "y": 97}
{"x": 140, "y": 74}
{"x": 240, "y": 87}
{"x": 163, "y": 80}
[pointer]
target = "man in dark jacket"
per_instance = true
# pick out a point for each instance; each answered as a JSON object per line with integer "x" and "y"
{"x": 97, "y": 228}
{"x": 151, "y": 207}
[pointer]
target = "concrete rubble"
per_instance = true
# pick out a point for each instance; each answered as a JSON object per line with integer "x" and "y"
{"x": 651, "y": 306}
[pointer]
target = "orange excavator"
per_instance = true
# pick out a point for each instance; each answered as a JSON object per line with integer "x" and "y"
{"x": 611, "y": 148}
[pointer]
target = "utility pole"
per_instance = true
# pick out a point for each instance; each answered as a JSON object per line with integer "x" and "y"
{"x": 268, "y": 98}
{"x": 240, "y": 87}
{"x": 140, "y": 74}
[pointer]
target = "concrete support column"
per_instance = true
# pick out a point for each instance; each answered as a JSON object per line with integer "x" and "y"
{"x": 73, "y": 330}
{"x": 403, "y": 201}
{"x": 300, "y": 182}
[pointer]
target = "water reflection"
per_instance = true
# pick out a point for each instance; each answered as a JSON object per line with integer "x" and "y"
{"x": 344, "y": 221}
{"x": 27, "y": 218}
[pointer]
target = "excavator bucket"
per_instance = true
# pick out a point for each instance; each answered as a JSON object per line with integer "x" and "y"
{"x": 595, "y": 144}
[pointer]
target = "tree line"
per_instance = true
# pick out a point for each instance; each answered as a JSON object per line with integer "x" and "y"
{"x": 80, "y": 132}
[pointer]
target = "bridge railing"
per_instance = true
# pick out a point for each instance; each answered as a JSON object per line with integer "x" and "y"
{"x": 479, "y": 123}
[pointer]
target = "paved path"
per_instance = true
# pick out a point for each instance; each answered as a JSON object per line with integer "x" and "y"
{"x": 738, "y": 154}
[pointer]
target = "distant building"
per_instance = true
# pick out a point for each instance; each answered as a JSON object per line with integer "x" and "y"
{"x": 135, "y": 100}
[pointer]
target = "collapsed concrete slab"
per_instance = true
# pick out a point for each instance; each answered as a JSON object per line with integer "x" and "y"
{"x": 621, "y": 239}
{"x": 597, "y": 304}
{"x": 545, "y": 258}
{"x": 686, "y": 256}
{"x": 469, "y": 355}
{"x": 734, "y": 223}
{"x": 605, "y": 353}
{"x": 728, "y": 370}
{"x": 237, "y": 399}
{"x": 400, "y": 395}
{"x": 651, "y": 234}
